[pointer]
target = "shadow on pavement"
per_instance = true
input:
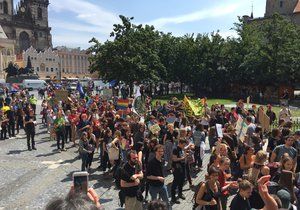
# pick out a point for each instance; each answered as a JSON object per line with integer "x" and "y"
{"x": 48, "y": 154}
{"x": 15, "y": 152}
{"x": 103, "y": 200}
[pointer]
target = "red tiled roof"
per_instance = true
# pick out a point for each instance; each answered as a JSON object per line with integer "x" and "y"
{"x": 297, "y": 8}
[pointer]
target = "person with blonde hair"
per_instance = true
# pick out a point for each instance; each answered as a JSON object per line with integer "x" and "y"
{"x": 258, "y": 170}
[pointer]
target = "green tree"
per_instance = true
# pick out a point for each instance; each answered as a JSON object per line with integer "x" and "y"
{"x": 131, "y": 56}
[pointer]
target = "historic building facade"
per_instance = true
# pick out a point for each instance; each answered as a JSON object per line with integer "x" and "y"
{"x": 287, "y": 8}
{"x": 27, "y": 25}
{"x": 73, "y": 62}
{"x": 61, "y": 62}
{"x": 44, "y": 63}
{"x": 7, "y": 52}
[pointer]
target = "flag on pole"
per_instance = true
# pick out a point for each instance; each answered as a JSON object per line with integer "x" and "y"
{"x": 193, "y": 108}
{"x": 79, "y": 88}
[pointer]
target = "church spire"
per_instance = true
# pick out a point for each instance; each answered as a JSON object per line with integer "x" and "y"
{"x": 252, "y": 11}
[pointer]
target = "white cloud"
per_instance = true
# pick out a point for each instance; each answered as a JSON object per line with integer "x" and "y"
{"x": 196, "y": 16}
{"x": 87, "y": 13}
{"x": 75, "y": 39}
{"x": 74, "y": 26}
{"x": 231, "y": 34}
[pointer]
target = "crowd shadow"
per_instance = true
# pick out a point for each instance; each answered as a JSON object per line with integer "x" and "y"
{"x": 41, "y": 141}
{"x": 16, "y": 152}
{"x": 48, "y": 154}
{"x": 41, "y": 132}
{"x": 103, "y": 200}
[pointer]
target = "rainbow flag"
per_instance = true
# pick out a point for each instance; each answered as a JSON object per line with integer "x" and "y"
{"x": 122, "y": 104}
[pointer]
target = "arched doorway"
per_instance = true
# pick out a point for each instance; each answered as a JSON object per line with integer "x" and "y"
{"x": 24, "y": 41}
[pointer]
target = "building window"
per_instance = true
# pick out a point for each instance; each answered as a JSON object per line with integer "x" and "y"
{"x": 56, "y": 69}
{"x": 5, "y": 7}
{"x": 281, "y": 3}
{"x": 51, "y": 69}
{"x": 40, "y": 13}
{"x": 63, "y": 70}
{"x": 37, "y": 69}
{"x": 40, "y": 34}
{"x": 1, "y": 6}
{"x": 50, "y": 59}
{"x": 47, "y": 69}
{"x": 46, "y": 59}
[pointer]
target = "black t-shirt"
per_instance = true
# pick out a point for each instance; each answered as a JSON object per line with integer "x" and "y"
{"x": 30, "y": 126}
{"x": 126, "y": 174}
{"x": 155, "y": 168}
{"x": 178, "y": 152}
{"x": 171, "y": 136}
{"x": 239, "y": 203}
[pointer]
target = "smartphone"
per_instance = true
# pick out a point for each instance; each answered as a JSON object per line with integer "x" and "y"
{"x": 80, "y": 180}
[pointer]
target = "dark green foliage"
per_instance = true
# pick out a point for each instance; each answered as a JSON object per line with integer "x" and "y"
{"x": 264, "y": 53}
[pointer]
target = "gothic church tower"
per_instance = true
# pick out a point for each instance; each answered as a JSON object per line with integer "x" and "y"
{"x": 27, "y": 24}
{"x": 283, "y": 7}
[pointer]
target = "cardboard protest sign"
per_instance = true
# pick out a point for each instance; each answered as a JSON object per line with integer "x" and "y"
{"x": 264, "y": 120}
{"x": 241, "y": 129}
{"x": 107, "y": 93}
{"x": 155, "y": 128}
{"x": 219, "y": 130}
{"x": 61, "y": 95}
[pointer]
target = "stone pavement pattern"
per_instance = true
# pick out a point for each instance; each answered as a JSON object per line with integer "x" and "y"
{"x": 29, "y": 179}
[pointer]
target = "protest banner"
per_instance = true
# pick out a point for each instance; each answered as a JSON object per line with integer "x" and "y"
{"x": 107, "y": 93}
{"x": 219, "y": 130}
{"x": 241, "y": 129}
{"x": 61, "y": 95}
{"x": 155, "y": 128}
{"x": 264, "y": 120}
{"x": 122, "y": 104}
{"x": 248, "y": 102}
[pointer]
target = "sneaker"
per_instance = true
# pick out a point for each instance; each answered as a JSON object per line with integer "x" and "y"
{"x": 33, "y": 148}
{"x": 63, "y": 149}
{"x": 29, "y": 149}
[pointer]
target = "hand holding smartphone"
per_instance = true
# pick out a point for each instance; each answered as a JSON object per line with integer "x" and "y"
{"x": 80, "y": 181}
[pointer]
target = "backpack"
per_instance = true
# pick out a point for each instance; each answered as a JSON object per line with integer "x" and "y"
{"x": 117, "y": 175}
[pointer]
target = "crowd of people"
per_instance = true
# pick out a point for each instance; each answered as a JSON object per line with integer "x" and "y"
{"x": 140, "y": 151}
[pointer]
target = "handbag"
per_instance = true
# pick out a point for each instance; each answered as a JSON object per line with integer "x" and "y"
{"x": 113, "y": 153}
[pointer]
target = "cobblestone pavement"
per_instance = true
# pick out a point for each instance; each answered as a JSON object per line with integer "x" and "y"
{"x": 29, "y": 179}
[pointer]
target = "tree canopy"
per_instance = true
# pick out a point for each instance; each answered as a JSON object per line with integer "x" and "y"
{"x": 266, "y": 52}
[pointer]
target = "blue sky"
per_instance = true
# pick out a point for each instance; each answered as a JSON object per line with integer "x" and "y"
{"x": 75, "y": 22}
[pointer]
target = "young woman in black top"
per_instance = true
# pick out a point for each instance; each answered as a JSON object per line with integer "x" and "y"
{"x": 29, "y": 122}
{"x": 106, "y": 140}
